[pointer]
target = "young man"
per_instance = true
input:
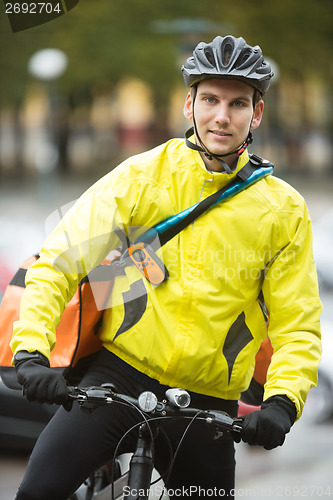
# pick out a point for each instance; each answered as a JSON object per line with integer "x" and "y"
{"x": 202, "y": 327}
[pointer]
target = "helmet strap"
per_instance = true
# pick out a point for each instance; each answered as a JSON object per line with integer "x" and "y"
{"x": 201, "y": 149}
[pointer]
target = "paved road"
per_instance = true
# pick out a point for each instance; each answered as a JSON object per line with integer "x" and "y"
{"x": 301, "y": 468}
{"x": 12, "y": 467}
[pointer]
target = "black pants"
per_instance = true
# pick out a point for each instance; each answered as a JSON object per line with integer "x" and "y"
{"x": 75, "y": 443}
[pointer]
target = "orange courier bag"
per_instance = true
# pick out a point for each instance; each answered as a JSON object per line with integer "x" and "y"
{"x": 254, "y": 394}
{"x": 78, "y": 330}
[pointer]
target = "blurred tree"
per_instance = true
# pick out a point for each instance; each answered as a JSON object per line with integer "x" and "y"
{"x": 106, "y": 40}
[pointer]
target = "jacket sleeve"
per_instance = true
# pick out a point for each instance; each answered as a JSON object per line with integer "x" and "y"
{"x": 291, "y": 294}
{"x": 81, "y": 241}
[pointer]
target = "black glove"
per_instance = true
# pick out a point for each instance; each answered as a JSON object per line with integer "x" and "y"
{"x": 268, "y": 427}
{"x": 39, "y": 382}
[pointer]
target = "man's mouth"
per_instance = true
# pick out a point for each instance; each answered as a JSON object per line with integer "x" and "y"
{"x": 220, "y": 133}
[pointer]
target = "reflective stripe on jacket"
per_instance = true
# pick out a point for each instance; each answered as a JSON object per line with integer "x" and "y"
{"x": 199, "y": 330}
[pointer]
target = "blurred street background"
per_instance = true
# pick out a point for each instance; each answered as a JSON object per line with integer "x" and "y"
{"x": 102, "y": 81}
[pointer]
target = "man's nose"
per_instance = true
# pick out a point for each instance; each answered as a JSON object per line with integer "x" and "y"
{"x": 222, "y": 114}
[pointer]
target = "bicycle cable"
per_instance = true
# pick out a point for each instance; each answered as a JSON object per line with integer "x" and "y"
{"x": 195, "y": 417}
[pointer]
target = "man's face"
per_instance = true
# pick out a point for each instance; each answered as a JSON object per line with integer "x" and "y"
{"x": 223, "y": 112}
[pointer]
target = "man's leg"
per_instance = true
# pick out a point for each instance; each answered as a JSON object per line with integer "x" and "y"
{"x": 204, "y": 467}
{"x": 205, "y": 464}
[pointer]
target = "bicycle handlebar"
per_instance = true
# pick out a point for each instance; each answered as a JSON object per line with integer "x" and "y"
{"x": 175, "y": 405}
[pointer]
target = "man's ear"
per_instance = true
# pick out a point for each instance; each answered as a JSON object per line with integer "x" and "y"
{"x": 188, "y": 113}
{"x": 257, "y": 115}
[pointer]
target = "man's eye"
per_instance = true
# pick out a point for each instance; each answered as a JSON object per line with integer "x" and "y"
{"x": 210, "y": 100}
{"x": 238, "y": 103}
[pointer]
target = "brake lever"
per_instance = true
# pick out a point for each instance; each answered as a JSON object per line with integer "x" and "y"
{"x": 226, "y": 424}
{"x": 90, "y": 398}
{"x": 222, "y": 419}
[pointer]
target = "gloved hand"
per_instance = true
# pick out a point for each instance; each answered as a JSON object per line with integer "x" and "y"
{"x": 39, "y": 382}
{"x": 268, "y": 427}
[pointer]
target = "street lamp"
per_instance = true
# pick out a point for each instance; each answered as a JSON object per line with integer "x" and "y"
{"x": 47, "y": 66}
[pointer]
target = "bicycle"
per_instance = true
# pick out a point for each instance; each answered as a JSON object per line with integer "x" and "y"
{"x": 135, "y": 483}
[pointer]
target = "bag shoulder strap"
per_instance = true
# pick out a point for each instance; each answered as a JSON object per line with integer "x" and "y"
{"x": 243, "y": 179}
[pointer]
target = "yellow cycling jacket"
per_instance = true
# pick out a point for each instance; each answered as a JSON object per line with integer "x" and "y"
{"x": 200, "y": 329}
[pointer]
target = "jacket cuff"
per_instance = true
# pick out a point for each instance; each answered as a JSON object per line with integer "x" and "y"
{"x": 284, "y": 403}
{"x": 23, "y": 356}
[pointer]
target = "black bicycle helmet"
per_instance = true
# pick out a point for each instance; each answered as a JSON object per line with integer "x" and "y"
{"x": 228, "y": 57}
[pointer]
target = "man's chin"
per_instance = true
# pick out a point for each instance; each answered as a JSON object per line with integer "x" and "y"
{"x": 220, "y": 149}
{"x": 222, "y": 152}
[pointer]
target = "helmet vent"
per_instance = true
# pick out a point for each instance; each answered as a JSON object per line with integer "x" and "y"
{"x": 210, "y": 56}
{"x": 226, "y": 53}
{"x": 244, "y": 56}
